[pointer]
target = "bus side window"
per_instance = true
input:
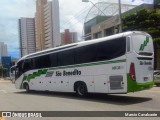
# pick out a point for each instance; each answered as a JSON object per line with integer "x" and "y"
{"x": 128, "y": 43}
{"x": 111, "y": 49}
{"x": 42, "y": 62}
{"x": 85, "y": 54}
{"x": 27, "y": 65}
{"x": 54, "y": 60}
{"x": 66, "y": 57}
{"x": 19, "y": 69}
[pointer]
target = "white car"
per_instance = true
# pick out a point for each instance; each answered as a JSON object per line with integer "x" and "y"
{"x": 157, "y": 78}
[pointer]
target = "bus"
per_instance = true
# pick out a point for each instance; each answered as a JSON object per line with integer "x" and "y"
{"x": 120, "y": 63}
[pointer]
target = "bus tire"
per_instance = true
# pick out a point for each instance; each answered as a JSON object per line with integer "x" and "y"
{"x": 81, "y": 89}
{"x": 26, "y": 86}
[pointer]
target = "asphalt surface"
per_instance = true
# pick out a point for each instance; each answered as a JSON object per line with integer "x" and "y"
{"x": 12, "y": 99}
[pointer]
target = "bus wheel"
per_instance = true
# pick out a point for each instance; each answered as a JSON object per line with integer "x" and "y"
{"x": 26, "y": 86}
{"x": 81, "y": 89}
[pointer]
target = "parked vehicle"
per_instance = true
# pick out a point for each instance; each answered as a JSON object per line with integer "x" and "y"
{"x": 157, "y": 78}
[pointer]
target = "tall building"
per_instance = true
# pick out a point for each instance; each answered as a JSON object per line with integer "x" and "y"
{"x": 3, "y": 49}
{"x": 47, "y": 24}
{"x": 39, "y": 24}
{"x": 56, "y": 23}
{"x": 68, "y": 37}
{"x": 27, "y": 36}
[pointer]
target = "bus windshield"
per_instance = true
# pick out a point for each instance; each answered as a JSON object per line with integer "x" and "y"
{"x": 142, "y": 44}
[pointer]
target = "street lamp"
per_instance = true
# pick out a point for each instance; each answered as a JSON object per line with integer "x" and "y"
{"x": 120, "y": 15}
{"x": 94, "y": 5}
{"x": 83, "y": 37}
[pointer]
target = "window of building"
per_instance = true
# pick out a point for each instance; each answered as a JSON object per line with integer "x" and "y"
{"x": 98, "y": 35}
{"x": 109, "y": 31}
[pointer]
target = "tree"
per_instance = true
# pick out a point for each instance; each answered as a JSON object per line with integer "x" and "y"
{"x": 145, "y": 20}
{"x": 2, "y": 70}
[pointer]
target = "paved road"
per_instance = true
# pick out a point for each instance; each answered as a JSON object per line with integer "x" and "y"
{"x": 12, "y": 99}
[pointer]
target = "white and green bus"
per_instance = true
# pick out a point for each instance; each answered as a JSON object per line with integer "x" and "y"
{"x": 119, "y": 63}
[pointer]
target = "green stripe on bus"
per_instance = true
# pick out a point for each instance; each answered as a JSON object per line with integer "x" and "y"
{"x": 33, "y": 75}
{"x": 88, "y": 64}
{"x": 44, "y": 71}
{"x": 133, "y": 86}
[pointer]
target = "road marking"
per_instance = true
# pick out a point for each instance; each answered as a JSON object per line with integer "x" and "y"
{"x": 3, "y": 91}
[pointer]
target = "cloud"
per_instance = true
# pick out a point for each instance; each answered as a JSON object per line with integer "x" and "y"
{"x": 75, "y": 25}
{"x": 11, "y": 11}
{"x": 138, "y": 2}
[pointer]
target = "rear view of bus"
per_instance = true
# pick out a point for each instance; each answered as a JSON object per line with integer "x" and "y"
{"x": 140, "y": 61}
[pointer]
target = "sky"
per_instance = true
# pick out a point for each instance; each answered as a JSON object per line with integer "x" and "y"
{"x": 72, "y": 16}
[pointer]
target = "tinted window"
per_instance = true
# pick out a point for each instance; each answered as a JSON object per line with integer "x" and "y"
{"x": 54, "y": 58}
{"x": 42, "y": 62}
{"x": 111, "y": 49}
{"x": 66, "y": 57}
{"x": 27, "y": 65}
{"x": 85, "y": 54}
{"x": 19, "y": 69}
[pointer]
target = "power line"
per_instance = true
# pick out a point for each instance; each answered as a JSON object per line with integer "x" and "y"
{"x": 77, "y": 15}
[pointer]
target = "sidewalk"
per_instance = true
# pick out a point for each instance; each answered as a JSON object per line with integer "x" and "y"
{"x": 5, "y": 79}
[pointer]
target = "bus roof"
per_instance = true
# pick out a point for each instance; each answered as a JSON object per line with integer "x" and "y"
{"x": 82, "y": 43}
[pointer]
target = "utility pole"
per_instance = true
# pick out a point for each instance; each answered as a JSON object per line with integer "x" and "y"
{"x": 120, "y": 17}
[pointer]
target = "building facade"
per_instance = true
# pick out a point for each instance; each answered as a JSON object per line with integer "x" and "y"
{"x": 109, "y": 26}
{"x": 105, "y": 28}
{"x": 68, "y": 37}
{"x": 47, "y": 24}
{"x": 27, "y": 36}
{"x": 51, "y": 24}
{"x": 90, "y": 23}
{"x": 39, "y": 24}
{"x": 3, "y": 49}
